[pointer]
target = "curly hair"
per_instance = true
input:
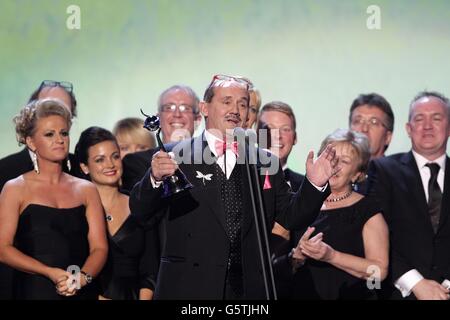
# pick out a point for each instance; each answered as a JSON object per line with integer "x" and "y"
{"x": 27, "y": 118}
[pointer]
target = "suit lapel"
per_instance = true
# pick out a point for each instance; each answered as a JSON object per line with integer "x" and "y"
{"x": 207, "y": 190}
{"x": 414, "y": 183}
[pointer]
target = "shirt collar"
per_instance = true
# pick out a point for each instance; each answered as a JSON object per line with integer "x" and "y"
{"x": 422, "y": 161}
{"x": 211, "y": 140}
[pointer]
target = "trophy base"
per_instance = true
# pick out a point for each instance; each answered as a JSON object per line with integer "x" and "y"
{"x": 175, "y": 184}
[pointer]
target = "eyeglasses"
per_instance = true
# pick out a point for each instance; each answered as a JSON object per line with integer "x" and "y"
{"x": 171, "y": 107}
{"x": 372, "y": 122}
{"x": 241, "y": 80}
{"x": 68, "y": 86}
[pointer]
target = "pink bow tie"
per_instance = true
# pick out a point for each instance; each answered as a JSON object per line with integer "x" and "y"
{"x": 221, "y": 147}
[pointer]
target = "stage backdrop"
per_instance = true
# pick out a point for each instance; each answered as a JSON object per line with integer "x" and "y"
{"x": 316, "y": 55}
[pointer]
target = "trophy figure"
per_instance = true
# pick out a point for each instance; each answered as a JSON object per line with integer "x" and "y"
{"x": 177, "y": 182}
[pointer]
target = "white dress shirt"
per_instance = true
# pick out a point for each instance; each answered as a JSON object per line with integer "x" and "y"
{"x": 228, "y": 154}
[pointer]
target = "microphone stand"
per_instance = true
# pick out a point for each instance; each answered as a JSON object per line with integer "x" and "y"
{"x": 259, "y": 217}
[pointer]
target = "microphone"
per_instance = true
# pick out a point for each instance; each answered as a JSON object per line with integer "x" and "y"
{"x": 239, "y": 132}
{"x": 264, "y": 135}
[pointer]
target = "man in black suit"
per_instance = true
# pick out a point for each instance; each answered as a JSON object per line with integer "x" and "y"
{"x": 179, "y": 116}
{"x": 210, "y": 249}
{"x": 414, "y": 191}
{"x": 19, "y": 163}
{"x": 372, "y": 115}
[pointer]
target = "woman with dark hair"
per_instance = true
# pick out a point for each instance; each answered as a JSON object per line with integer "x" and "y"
{"x": 128, "y": 271}
{"x": 51, "y": 224}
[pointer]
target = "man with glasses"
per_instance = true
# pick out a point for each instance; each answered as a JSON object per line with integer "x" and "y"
{"x": 210, "y": 248}
{"x": 372, "y": 115}
{"x": 179, "y": 116}
{"x": 61, "y": 90}
{"x": 18, "y": 163}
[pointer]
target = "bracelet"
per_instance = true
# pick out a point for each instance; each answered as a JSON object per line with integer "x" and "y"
{"x": 87, "y": 276}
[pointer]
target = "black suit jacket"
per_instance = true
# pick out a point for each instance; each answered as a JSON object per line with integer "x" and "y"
{"x": 396, "y": 182}
{"x": 280, "y": 247}
{"x": 196, "y": 250}
{"x": 294, "y": 178}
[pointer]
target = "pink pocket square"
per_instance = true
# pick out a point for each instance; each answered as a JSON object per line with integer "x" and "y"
{"x": 267, "y": 184}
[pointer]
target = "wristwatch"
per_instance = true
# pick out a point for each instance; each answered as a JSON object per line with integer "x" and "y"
{"x": 87, "y": 276}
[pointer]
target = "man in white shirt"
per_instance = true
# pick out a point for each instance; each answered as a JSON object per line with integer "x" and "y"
{"x": 413, "y": 189}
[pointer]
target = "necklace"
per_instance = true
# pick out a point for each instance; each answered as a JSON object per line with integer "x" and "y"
{"x": 109, "y": 216}
{"x": 345, "y": 196}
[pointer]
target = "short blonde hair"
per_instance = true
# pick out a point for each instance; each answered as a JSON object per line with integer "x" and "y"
{"x": 25, "y": 121}
{"x": 357, "y": 141}
{"x": 254, "y": 93}
{"x": 134, "y": 128}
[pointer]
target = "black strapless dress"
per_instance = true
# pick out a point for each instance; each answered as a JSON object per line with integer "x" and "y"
{"x": 130, "y": 264}
{"x": 57, "y": 238}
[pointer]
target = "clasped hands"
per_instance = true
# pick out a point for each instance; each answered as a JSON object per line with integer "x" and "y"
{"x": 313, "y": 248}
{"x": 66, "y": 284}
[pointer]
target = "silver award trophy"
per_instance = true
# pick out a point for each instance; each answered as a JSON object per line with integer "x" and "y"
{"x": 177, "y": 182}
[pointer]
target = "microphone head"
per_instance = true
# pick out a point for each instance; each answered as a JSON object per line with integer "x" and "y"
{"x": 238, "y": 131}
{"x": 250, "y": 133}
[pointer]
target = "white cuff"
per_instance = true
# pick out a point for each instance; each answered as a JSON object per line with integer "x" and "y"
{"x": 155, "y": 184}
{"x": 321, "y": 189}
{"x": 407, "y": 282}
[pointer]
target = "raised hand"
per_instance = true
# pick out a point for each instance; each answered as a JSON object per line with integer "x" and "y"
{"x": 163, "y": 166}
{"x": 323, "y": 168}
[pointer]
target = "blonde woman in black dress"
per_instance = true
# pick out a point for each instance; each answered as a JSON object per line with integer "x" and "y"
{"x": 52, "y": 229}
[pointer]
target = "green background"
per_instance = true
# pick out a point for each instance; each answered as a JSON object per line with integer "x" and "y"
{"x": 316, "y": 55}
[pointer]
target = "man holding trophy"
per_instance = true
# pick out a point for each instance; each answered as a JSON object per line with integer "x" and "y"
{"x": 210, "y": 243}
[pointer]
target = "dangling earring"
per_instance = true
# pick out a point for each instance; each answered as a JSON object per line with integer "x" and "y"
{"x": 35, "y": 161}
{"x": 69, "y": 166}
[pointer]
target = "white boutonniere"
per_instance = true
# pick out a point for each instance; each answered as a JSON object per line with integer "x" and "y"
{"x": 203, "y": 176}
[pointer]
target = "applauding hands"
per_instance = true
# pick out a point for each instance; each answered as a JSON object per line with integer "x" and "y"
{"x": 313, "y": 247}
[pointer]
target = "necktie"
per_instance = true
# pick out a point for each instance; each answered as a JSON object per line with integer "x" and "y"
{"x": 221, "y": 147}
{"x": 434, "y": 195}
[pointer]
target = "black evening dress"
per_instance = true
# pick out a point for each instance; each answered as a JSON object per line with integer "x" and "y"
{"x": 129, "y": 265}
{"x": 342, "y": 229}
{"x": 56, "y": 237}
